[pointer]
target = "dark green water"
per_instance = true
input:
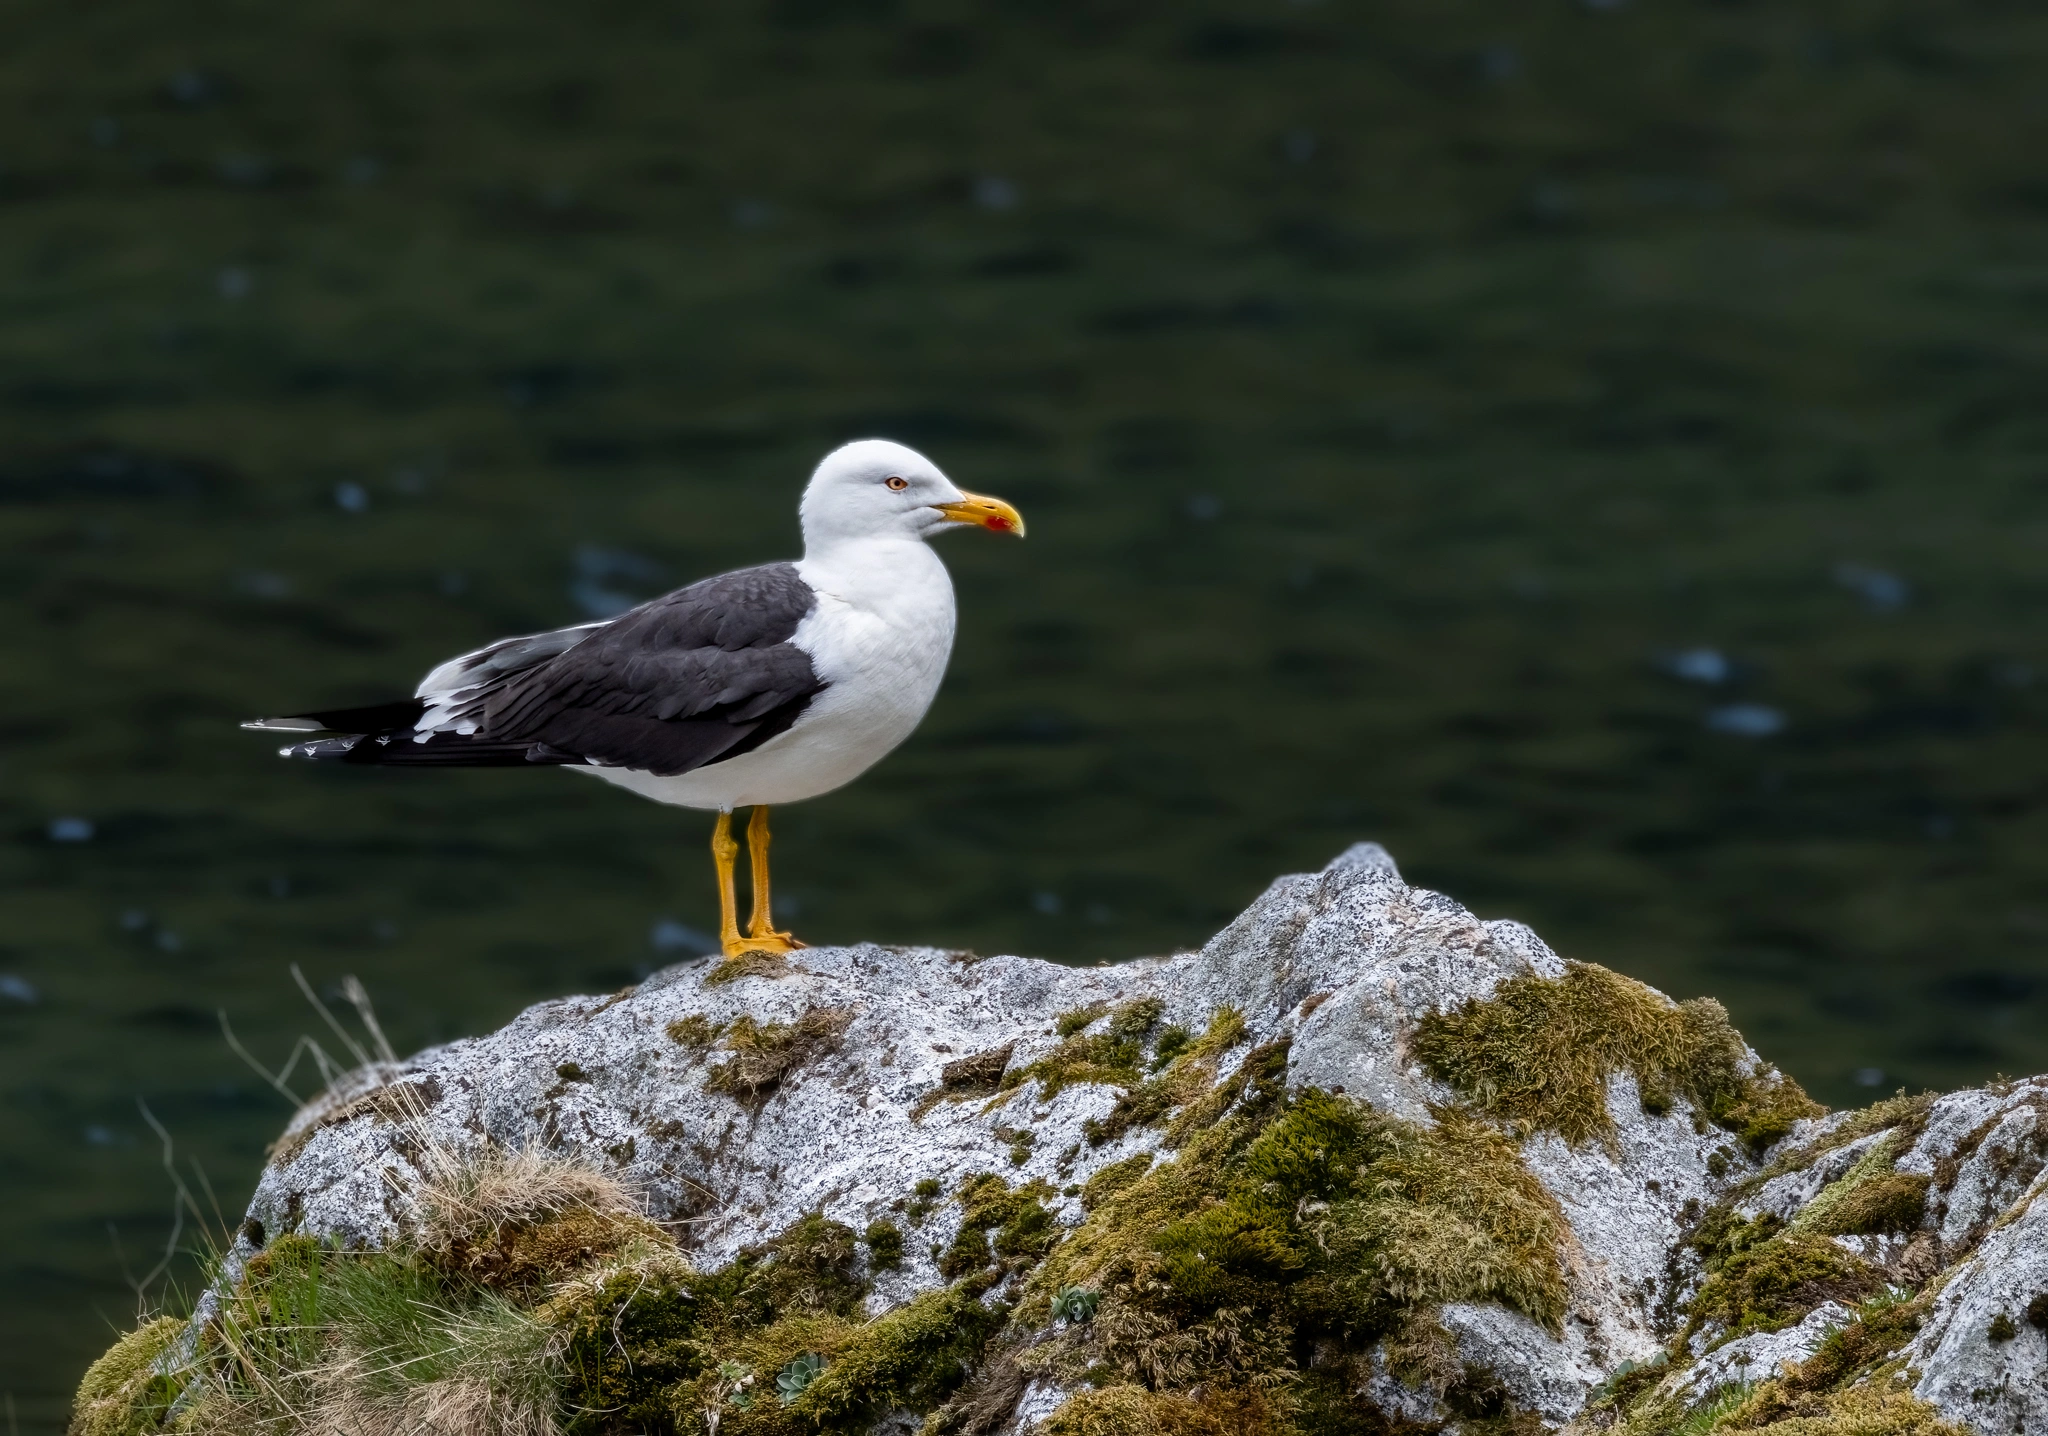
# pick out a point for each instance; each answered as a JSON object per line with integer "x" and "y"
{"x": 1392, "y": 391}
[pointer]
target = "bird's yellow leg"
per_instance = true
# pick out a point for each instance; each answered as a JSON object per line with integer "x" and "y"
{"x": 761, "y": 927}
{"x": 723, "y": 851}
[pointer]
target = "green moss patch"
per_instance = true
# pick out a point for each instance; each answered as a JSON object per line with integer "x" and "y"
{"x": 1291, "y": 1227}
{"x": 1113, "y": 1179}
{"x": 1905, "y": 1117}
{"x": 1871, "y": 1197}
{"x": 1850, "y": 1386}
{"x": 695, "y": 1032}
{"x": 1185, "y": 1071}
{"x": 1771, "y": 1285}
{"x": 1451, "y": 1215}
{"x": 999, "y": 1227}
{"x": 1114, "y": 1056}
{"x": 910, "y": 1358}
{"x": 1883, "y": 1326}
{"x": 121, "y": 1394}
{"x": 884, "y": 1241}
{"x": 1876, "y": 1409}
{"x": 1540, "y": 1050}
{"x": 1182, "y": 1067}
{"x": 1724, "y": 1232}
{"x": 1125, "y": 1410}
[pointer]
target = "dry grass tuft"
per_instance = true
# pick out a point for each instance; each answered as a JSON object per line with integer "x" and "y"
{"x": 512, "y": 1219}
{"x": 367, "y": 1092}
{"x": 467, "y": 1192}
{"x": 314, "y": 1341}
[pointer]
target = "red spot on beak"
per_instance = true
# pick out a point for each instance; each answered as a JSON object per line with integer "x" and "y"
{"x": 998, "y": 523}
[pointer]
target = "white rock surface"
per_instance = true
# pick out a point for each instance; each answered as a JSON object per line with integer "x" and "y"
{"x": 1782, "y": 1197}
{"x": 1997, "y": 1141}
{"x": 1341, "y": 963}
{"x": 1750, "y": 1359}
{"x": 1998, "y": 1386}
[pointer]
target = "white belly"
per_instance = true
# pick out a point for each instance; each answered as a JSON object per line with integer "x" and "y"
{"x": 880, "y": 637}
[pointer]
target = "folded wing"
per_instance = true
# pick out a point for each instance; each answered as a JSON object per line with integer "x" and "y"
{"x": 702, "y": 674}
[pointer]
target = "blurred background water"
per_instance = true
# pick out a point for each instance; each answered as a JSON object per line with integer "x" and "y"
{"x": 1596, "y": 449}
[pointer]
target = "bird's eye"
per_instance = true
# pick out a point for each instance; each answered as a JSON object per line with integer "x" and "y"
{"x": 897, "y": 483}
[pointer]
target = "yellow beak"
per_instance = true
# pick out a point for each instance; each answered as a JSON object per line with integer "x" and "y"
{"x": 992, "y": 514}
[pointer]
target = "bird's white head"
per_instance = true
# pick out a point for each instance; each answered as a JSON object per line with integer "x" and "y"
{"x": 873, "y": 489}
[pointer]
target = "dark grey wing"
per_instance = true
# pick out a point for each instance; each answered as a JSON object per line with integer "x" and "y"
{"x": 704, "y": 673}
{"x": 451, "y": 679}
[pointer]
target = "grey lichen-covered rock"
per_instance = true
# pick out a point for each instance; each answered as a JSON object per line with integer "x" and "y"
{"x": 875, "y": 1085}
{"x": 1939, "y": 1314}
{"x": 1983, "y": 1353}
{"x": 1747, "y": 1360}
{"x": 1984, "y": 1349}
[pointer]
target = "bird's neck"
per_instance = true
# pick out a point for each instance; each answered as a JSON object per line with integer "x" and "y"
{"x": 879, "y": 573}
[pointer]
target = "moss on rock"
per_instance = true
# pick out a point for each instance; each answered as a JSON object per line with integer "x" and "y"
{"x": 884, "y": 1241}
{"x": 1873, "y": 1409}
{"x": 1888, "y": 1204}
{"x": 1772, "y": 1285}
{"x": 764, "y": 1055}
{"x": 912, "y": 1357}
{"x": 1308, "y": 1225}
{"x": 1446, "y": 1215}
{"x": 1902, "y": 1115}
{"x": 533, "y": 1314}
{"x": 1113, "y": 1178}
{"x": 1114, "y": 1056}
{"x": 1540, "y": 1050}
{"x": 1125, "y": 1410}
{"x": 121, "y": 1394}
{"x": 1184, "y": 1071}
{"x": 999, "y": 1227}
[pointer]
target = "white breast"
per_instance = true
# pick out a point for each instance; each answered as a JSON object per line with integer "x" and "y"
{"x": 880, "y": 636}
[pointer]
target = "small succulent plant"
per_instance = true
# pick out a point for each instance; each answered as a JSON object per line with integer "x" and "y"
{"x": 734, "y": 1381}
{"x": 795, "y": 1378}
{"x": 1076, "y": 1304}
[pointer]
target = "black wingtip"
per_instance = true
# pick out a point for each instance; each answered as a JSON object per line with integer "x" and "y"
{"x": 388, "y": 717}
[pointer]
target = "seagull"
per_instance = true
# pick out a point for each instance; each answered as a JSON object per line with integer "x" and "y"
{"x": 760, "y": 686}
